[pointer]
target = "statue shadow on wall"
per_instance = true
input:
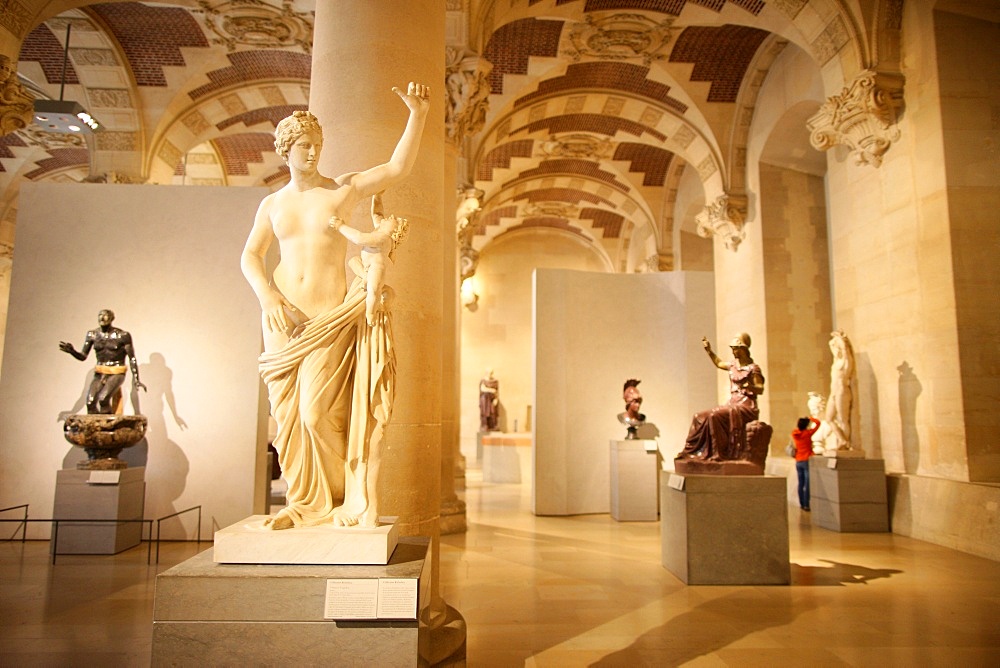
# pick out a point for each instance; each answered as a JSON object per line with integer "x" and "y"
{"x": 866, "y": 402}
{"x": 909, "y": 390}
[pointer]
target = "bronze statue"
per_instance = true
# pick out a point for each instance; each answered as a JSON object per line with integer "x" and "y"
{"x": 728, "y": 439}
{"x": 112, "y": 348}
{"x": 632, "y": 418}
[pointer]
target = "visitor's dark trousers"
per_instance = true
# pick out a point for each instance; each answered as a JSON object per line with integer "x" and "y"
{"x": 802, "y": 468}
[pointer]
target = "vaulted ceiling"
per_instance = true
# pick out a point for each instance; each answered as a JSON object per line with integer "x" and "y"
{"x": 595, "y": 107}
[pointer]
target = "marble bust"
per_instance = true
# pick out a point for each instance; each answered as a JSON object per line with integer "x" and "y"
{"x": 330, "y": 370}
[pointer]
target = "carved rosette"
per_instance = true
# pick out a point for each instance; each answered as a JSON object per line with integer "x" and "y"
{"x": 257, "y": 24}
{"x": 620, "y": 37}
{"x": 862, "y": 117}
{"x": 468, "y": 86}
{"x": 724, "y": 219}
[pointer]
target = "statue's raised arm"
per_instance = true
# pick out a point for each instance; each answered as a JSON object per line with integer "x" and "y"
{"x": 380, "y": 177}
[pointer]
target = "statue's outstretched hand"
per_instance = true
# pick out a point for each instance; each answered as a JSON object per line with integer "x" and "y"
{"x": 705, "y": 344}
{"x": 416, "y": 97}
{"x": 67, "y": 347}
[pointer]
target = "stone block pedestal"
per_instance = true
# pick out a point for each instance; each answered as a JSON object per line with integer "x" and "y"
{"x": 726, "y": 530}
{"x": 848, "y": 494}
{"x": 83, "y": 495}
{"x": 208, "y": 614}
{"x": 506, "y": 457}
{"x": 634, "y": 480}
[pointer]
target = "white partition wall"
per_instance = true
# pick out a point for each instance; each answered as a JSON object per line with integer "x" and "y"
{"x": 166, "y": 261}
{"x": 592, "y": 331}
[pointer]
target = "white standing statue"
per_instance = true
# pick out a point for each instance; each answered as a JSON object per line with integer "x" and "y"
{"x": 822, "y": 438}
{"x": 838, "y": 405}
{"x": 330, "y": 375}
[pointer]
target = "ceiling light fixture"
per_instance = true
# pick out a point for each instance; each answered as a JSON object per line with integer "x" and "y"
{"x": 64, "y": 116}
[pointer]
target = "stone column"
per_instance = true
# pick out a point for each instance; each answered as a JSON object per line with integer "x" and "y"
{"x": 361, "y": 49}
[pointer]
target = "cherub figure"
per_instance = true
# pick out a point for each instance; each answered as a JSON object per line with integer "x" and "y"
{"x": 376, "y": 246}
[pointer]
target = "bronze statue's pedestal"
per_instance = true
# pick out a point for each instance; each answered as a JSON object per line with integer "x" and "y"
{"x": 635, "y": 466}
{"x": 725, "y": 530}
{"x": 210, "y": 614}
{"x": 848, "y": 494}
{"x": 98, "y": 495}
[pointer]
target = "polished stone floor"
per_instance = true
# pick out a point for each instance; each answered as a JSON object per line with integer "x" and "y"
{"x": 577, "y": 591}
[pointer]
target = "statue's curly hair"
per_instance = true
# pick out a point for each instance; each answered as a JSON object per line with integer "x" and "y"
{"x": 291, "y": 128}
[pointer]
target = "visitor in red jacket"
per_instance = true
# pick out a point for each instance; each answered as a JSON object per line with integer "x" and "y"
{"x": 802, "y": 437}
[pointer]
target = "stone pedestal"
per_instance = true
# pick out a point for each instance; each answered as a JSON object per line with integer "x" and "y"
{"x": 250, "y": 542}
{"x": 209, "y": 614}
{"x": 79, "y": 495}
{"x": 506, "y": 457}
{"x": 634, "y": 480}
{"x": 727, "y": 530}
{"x": 848, "y": 494}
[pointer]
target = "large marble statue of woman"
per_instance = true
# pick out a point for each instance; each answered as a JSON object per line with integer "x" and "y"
{"x": 330, "y": 375}
{"x": 838, "y": 406}
{"x": 719, "y": 434}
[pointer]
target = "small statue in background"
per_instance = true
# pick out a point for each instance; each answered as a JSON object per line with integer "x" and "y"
{"x": 113, "y": 350}
{"x": 838, "y": 406}
{"x": 489, "y": 402}
{"x": 728, "y": 439}
{"x": 632, "y": 418}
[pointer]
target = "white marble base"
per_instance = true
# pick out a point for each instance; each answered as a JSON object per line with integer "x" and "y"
{"x": 250, "y": 542}
{"x": 634, "y": 481}
{"x": 845, "y": 454}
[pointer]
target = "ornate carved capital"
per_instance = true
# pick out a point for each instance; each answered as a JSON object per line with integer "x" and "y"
{"x": 468, "y": 86}
{"x": 862, "y": 117}
{"x": 724, "y": 218}
{"x": 17, "y": 106}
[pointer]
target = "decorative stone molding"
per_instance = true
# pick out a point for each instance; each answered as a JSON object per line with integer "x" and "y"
{"x": 468, "y": 86}
{"x": 862, "y": 117}
{"x": 15, "y": 17}
{"x": 578, "y": 146}
{"x": 620, "y": 37}
{"x": 16, "y": 104}
{"x": 465, "y": 228}
{"x": 256, "y": 24}
{"x": 724, "y": 219}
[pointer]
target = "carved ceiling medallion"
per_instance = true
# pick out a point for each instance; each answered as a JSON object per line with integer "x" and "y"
{"x": 577, "y": 145}
{"x": 35, "y": 136}
{"x": 551, "y": 209}
{"x": 257, "y": 24}
{"x": 620, "y": 37}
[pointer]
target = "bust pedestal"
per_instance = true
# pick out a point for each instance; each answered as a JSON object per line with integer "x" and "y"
{"x": 634, "y": 480}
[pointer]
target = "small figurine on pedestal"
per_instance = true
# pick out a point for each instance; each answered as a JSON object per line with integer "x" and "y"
{"x": 728, "y": 439}
{"x": 103, "y": 432}
{"x": 632, "y": 418}
{"x": 489, "y": 402}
